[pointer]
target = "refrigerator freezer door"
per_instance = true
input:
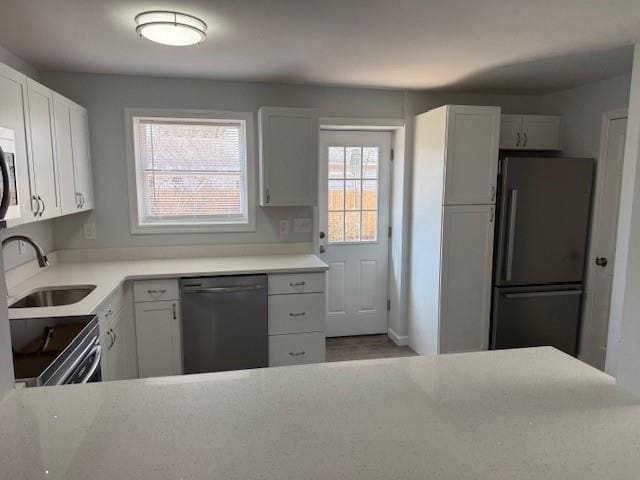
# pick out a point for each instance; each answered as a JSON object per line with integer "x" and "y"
{"x": 545, "y": 316}
{"x": 544, "y": 210}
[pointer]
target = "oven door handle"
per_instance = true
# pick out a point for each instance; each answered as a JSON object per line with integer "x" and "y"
{"x": 76, "y": 363}
{"x": 6, "y": 194}
{"x": 97, "y": 351}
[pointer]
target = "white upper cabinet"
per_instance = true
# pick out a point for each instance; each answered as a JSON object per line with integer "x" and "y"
{"x": 74, "y": 168}
{"x": 288, "y": 157}
{"x": 81, "y": 156}
{"x": 530, "y": 132}
{"x": 471, "y": 165}
{"x": 13, "y": 97}
{"x": 44, "y": 191}
{"x": 52, "y": 161}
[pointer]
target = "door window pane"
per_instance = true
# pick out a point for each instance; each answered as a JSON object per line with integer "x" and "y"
{"x": 370, "y": 194}
{"x": 336, "y": 195}
{"x": 353, "y": 162}
{"x": 352, "y": 227}
{"x": 353, "y": 194}
{"x": 369, "y": 226}
{"x": 336, "y": 227}
{"x": 336, "y": 162}
{"x": 370, "y": 162}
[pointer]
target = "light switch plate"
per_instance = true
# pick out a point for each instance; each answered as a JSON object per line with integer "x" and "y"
{"x": 284, "y": 227}
{"x": 302, "y": 225}
{"x": 89, "y": 231}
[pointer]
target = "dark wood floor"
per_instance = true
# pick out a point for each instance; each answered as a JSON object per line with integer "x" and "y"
{"x": 364, "y": 347}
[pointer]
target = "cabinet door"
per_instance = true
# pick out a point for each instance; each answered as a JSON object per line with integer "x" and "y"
{"x": 81, "y": 156}
{"x": 158, "y": 338}
{"x": 471, "y": 164}
{"x": 64, "y": 149}
{"x": 13, "y": 95}
{"x": 511, "y": 132}
{"x": 540, "y": 132}
{"x": 465, "y": 296}
{"x": 42, "y": 159}
{"x": 117, "y": 349}
{"x": 288, "y": 157}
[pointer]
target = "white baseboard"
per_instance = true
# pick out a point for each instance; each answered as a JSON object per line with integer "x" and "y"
{"x": 400, "y": 340}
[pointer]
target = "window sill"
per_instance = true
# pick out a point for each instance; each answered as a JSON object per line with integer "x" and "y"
{"x": 177, "y": 229}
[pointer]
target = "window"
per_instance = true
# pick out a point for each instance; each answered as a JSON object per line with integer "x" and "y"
{"x": 353, "y": 194}
{"x": 192, "y": 172}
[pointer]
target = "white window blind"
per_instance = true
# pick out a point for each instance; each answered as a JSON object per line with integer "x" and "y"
{"x": 190, "y": 171}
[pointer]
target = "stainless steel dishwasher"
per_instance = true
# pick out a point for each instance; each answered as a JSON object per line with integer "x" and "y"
{"x": 224, "y": 323}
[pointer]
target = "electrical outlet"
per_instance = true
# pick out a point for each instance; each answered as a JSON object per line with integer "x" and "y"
{"x": 302, "y": 225}
{"x": 284, "y": 227}
{"x": 89, "y": 231}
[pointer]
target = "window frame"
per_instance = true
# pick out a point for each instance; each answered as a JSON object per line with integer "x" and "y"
{"x": 134, "y": 163}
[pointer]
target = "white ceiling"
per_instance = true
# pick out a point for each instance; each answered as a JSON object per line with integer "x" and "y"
{"x": 500, "y": 45}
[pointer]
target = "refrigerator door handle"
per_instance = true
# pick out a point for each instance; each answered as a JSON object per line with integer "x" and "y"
{"x": 513, "y": 208}
{"x": 551, "y": 293}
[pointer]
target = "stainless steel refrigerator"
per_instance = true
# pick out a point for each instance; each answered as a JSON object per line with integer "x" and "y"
{"x": 544, "y": 207}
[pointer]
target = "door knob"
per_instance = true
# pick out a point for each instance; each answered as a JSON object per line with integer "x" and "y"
{"x": 322, "y": 249}
{"x": 322, "y": 235}
{"x": 602, "y": 261}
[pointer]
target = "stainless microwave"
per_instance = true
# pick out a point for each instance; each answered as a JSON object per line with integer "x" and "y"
{"x": 9, "y": 200}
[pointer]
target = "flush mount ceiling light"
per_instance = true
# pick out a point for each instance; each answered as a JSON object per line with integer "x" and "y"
{"x": 171, "y": 28}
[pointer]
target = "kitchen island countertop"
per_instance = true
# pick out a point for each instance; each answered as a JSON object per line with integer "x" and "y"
{"x": 512, "y": 414}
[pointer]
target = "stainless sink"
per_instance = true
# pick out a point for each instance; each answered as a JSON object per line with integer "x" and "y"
{"x": 53, "y": 296}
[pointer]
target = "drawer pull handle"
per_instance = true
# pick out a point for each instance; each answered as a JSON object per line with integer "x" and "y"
{"x": 157, "y": 293}
{"x": 297, "y": 284}
{"x": 298, "y": 314}
{"x": 297, "y": 354}
{"x": 108, "y": 313}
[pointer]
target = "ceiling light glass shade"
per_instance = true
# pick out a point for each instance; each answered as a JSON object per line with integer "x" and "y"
{"x": 171, "y": 28}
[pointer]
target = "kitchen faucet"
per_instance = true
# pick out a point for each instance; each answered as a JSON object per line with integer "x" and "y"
{"x": 43, "y": 261}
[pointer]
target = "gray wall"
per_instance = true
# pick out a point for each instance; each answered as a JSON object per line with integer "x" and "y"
{"x": 582, "y": 108}
{"x": 106, "y": 97}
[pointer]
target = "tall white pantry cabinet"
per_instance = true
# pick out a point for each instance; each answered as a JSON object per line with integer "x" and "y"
{"x": 453, "y": 212}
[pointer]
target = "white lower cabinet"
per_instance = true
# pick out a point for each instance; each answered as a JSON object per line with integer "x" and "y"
{"x": 159, "y": 339}
{"x": 297, "y": 319}
{"x": 296, "y": 349}
{"x": 118, "y": 337}
{"x": 465, "y": 297}
{"x": 158, "y": 330}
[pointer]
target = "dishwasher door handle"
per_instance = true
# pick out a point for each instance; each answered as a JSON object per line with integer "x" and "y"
{"x": 242, "y": 288}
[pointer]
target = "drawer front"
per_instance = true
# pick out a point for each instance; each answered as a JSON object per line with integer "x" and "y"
{"x": 156, "y": 290}
{"x": 296, "y": 313}
{"x": 110, "y": 308}
{"x": 296, "y": 283}
{"x": 296, "y": 349}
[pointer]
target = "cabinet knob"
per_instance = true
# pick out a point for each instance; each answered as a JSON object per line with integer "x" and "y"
{"x": 602, "y": 261}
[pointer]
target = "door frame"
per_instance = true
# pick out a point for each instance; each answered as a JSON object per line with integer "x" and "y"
{"x": 597, "y": 209}
{"x": 398, "y": 215}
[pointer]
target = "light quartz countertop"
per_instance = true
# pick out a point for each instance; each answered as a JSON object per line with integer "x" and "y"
{"x": 108, "y": 275}
{"x": 512, "y": 414}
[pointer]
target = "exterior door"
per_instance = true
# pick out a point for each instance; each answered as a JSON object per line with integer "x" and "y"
{"x": 600, "y": 265}
{"x": 354, "y": 223}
